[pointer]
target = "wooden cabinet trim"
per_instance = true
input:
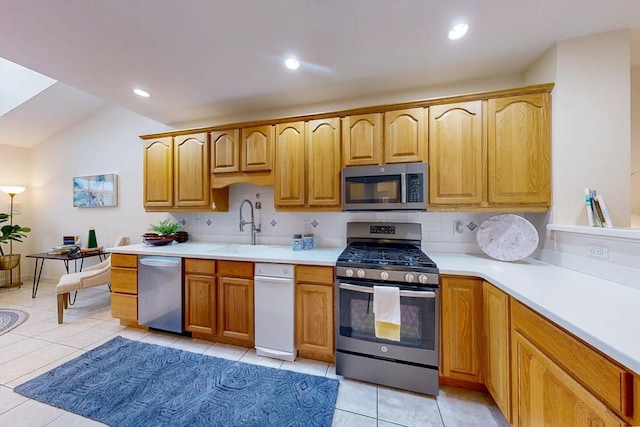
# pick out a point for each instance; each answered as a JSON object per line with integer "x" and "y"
{"x": 123, "y": 260}
{"x": 235, "y": 269}
{"x": 546, "y": 88}
{"x": 321, "y": 275}
{"x": 200, "y": 266}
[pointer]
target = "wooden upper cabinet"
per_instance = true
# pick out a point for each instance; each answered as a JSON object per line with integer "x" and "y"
{"x": 191, "y": 170}
{"x": 158, "y": 172}
{"x": 225, "y": 151}
{"x": 290, "y": 167}
{"x": 519, "y": 150}
{"x": 456, "y": 154}
{"x": 323, "y": 159}
{"x": 257, "y": 143}
{"x": 362, "y": 140}
{"x": 405, "y": 135}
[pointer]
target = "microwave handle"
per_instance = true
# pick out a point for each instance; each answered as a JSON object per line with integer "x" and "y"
{"x": 403, "y": 188}
{"x": 403, "y": 293}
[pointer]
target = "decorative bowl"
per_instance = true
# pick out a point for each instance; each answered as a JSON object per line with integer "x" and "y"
{"x": 181, "y": 236}
{"x": 150, "y": 239}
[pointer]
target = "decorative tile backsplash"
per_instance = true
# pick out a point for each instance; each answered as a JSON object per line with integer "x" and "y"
{"x": 440, "y": 230}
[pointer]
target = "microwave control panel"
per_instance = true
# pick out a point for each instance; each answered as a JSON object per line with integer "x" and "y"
{"x": 415, "y": 190}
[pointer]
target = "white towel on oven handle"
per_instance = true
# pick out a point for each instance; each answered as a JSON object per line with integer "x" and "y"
{"x": 386, "y": 304}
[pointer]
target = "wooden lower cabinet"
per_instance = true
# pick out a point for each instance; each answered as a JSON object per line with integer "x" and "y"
{"x": 124, "y": 288}
{"x": 545, "y": 395}
{"x": 200, "y": 296}
{"x": 314, "y": 312}
{"x": 496, "y": 331}
{"x": 557, "y": 378}
{"x": 461, "y": 330}
{"x": 235, "y": 302}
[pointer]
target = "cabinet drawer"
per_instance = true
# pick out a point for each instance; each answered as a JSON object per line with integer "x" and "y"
{"x": 315, "y": 274}
{"x": 124, "y": 306}
{"x": 235, "y": 269}
{"x": 122, "y": 260}
{"x": 601, "y": 376}
{"x": 200, "y": 266}
{"x": 124, "y": 280}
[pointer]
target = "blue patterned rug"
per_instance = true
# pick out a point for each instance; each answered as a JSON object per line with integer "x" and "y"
{"x": 130, "y": 383}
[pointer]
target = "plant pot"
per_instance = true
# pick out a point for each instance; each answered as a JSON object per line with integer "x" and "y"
{"x": 9, "y": 262}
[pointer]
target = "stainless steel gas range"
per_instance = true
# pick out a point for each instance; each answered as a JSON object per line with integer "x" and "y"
{"x": 387, "y": 255}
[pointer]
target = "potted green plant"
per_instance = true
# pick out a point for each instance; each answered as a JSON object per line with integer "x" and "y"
{"x": 166, "y": 227}
{"x": 10, "y": 233}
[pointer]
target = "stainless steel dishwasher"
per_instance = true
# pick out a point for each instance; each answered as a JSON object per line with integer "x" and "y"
{"x": 273, "y": 303}
{"x": 160, "y": 293}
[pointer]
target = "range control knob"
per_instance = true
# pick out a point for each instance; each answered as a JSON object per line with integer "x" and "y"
{"x": 349, "y": 272}
{"x": 361, "y": 273}
{"x": 384, "y": 275}
{"x": 408, "y": 277}
{"x": 422, "y": 279}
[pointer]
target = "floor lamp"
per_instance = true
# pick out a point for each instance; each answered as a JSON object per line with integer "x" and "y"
{"x": 12, "y": 190}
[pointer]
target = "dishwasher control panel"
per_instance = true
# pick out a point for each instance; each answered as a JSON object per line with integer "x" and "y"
{"x": 284, "y": 271}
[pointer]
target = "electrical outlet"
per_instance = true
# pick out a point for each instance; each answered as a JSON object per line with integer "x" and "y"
{"x": 598, "y": 251}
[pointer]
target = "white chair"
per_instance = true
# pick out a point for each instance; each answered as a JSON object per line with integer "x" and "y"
{"x": 96, "y": 275}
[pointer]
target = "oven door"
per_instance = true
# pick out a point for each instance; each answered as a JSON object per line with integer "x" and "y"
{"x": 419, "y": 313}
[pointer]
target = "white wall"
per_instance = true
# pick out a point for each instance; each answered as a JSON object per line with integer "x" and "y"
{"x": 635, "y": 146}
{"x": 105, "y": 142}
{"x": 592, "y": 141}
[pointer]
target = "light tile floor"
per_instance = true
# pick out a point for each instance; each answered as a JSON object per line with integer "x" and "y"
{"x": 40, "y": 344}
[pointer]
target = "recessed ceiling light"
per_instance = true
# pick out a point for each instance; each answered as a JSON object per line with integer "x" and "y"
{"x": 141, "y": 92}
{"x": 292, "y": 63}
{"x": 458, "y": 31}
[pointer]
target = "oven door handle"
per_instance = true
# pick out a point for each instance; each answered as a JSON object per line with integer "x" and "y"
{"x": 403, "y": 293}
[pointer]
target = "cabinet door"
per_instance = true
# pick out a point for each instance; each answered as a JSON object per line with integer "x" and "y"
{"x": 519, "y": 150}
{"x": 323, "y": 160}
{"x": 290, "y": 167}
{"x": 200, "y": 303}
{"x": 158, "y": 172}
{"x": 235, "y": 308}
{"x": 257, "y": 143}
{"x": 456, "y": 161}
{"x": 545, "y": 395}
{"x": 405, "y": 136}
{"x": 191, "y": 170}
{"x": 461, "y": 329}
{"x": 496, "y": 372}
{"x": 314, "y": 321}
{"x": 225, "y": 151}
{"x": 362, "y": 140}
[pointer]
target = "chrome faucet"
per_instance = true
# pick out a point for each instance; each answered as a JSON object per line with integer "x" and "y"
{"x": 254, "y": 229}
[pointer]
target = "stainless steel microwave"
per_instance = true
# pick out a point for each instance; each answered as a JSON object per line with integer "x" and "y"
{"x": 385, "y": 187}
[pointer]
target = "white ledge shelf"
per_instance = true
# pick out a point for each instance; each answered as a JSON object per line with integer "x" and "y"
{"x": 630, "y": 234}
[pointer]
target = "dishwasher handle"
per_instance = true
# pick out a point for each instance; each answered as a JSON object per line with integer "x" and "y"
{"x": 160, "y": 262}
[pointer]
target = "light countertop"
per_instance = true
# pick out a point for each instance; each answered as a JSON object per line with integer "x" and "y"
{"x": 600, "y": 312}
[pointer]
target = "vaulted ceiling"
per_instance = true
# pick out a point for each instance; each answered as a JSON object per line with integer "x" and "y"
{"x": 207, "y": 59}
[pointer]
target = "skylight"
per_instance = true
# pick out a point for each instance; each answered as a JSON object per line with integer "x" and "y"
{"x": 18, "y": 84}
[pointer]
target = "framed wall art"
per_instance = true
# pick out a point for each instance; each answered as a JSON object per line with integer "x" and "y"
{"x": 95, "y": 191}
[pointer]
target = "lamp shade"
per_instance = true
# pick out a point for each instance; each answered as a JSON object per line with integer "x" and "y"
{"x": 11, "y": 189}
